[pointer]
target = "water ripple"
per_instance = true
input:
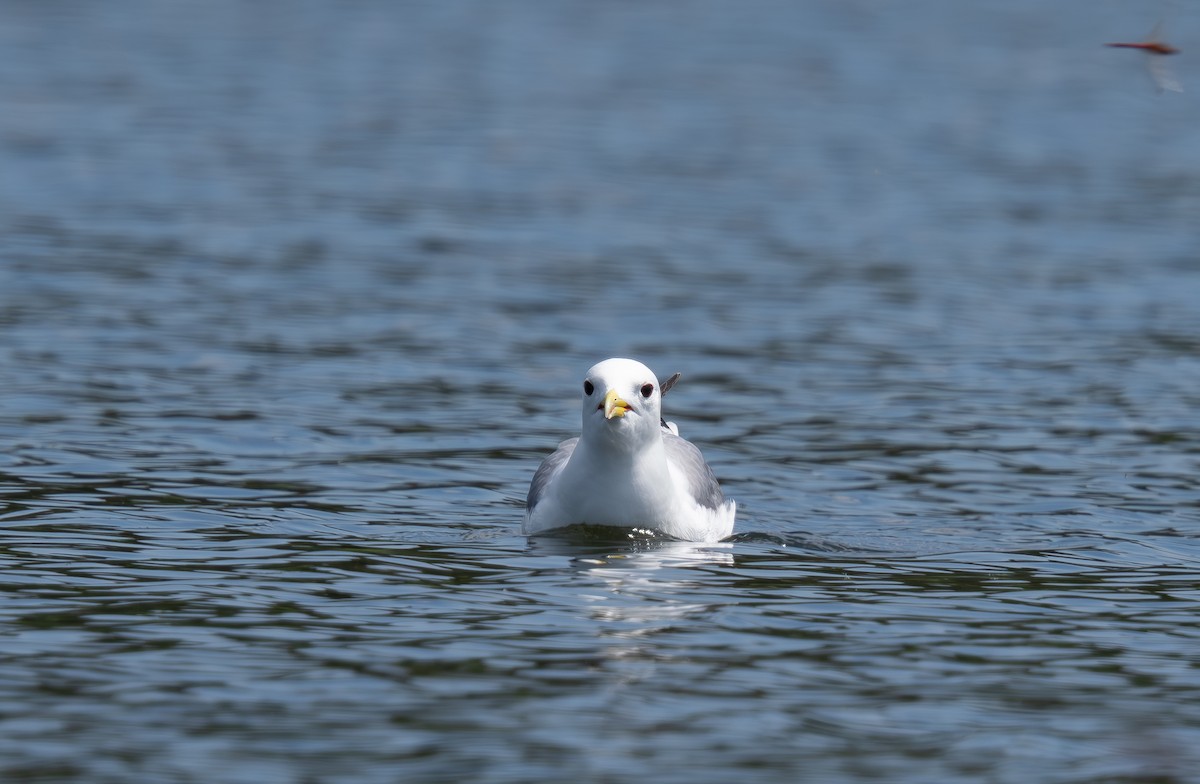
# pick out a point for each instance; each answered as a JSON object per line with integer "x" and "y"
{"x": 293, "y": 300}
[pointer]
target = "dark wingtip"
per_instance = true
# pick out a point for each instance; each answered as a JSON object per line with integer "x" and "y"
{"x": 665, "y": 386}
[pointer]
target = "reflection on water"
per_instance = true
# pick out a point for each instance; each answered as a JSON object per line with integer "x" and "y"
{"x": 293, "y": 299}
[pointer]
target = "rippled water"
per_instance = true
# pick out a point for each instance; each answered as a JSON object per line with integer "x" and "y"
{"x": 295, "y": 296}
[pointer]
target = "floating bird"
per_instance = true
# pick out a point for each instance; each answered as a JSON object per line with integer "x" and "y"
{"x": 629, "y": 467}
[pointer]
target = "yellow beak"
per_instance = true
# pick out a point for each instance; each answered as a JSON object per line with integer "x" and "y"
{"x": 614, "y": 406}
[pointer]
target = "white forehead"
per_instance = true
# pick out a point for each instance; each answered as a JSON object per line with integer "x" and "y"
{"x": 620, "y": 369}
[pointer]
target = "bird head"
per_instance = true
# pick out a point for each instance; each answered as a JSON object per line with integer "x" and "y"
{"x": 622, "y": 403}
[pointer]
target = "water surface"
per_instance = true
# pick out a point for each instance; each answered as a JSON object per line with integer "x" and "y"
{"x": 294, "y": 297}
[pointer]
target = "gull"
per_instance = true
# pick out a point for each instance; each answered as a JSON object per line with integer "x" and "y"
{"x": 628, "y": 468}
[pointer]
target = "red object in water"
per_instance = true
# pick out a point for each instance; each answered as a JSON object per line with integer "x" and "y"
{"x": 1153, "y": 47}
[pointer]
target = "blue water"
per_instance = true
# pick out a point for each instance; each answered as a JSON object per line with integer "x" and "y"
{"x": 294, "y": 297}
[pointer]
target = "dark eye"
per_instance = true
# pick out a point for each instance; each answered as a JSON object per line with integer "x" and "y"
{"x": 588, "y": 389}
{"x": 647, "y": 390}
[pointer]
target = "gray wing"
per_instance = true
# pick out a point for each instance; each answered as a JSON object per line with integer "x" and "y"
{"x": 684, "y": 455}
{"x": 548, "y": 470}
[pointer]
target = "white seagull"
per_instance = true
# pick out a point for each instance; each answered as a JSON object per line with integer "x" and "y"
{"x": 628, "y": 468}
